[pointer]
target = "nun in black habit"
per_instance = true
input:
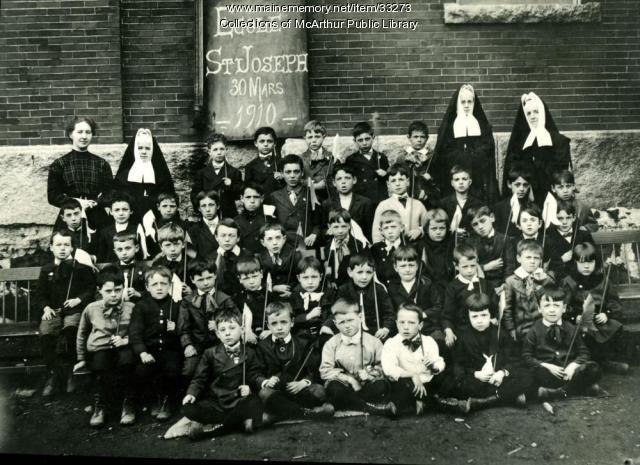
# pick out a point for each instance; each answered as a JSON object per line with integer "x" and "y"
{"x": 143, "y": 173}
{"x": 465, "y": 138}
{"x": 537, "y": 146}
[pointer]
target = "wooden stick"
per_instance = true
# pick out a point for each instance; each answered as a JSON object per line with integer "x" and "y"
{"x": 573, "y": 340}
{"x": 244, "y": 353}
{"x": 375, "y": 301}
{"x": 362, "y": 329}
{"x": 264, "y": 308}
{"x": 504, "y": 244}
{"x": 304, "y": 362}
{"x": 604, "y": 289}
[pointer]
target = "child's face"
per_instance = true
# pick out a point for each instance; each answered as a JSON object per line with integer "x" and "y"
{"x": 520, "y": 187}
{"x": 483, "y": 225}
{"x": 532, "y": 116}
{"x": 467, "y": 267}
{"x": 529, "y": 260}
{"x": 437, "y": 230}
{"x": 125, "y": 250}
{"x": 251, "y": 200}
{"x": 564, "y": 191}
{"x": 111, "y": 294}
{"x": 229, "y": 332}
{"x": 280, "y": 324}
{"x": 344, "y": 182}
{"x": 81, "y": 136}
{"x": 227, "y": 237}
{"x": 252, "y": 281}
{"x": 310, "y": 280}
{"x": 461, "y": 182}
{"x": 168, "y": 208}
{"x": 340, "y": 229}
{"x": 417, "y": 140}
{"x": 292, "y": 174}
{"x": 314, "y": 139}
{"x": 391, "y": 230}
{"x": 145, "y": 148}
{"x": 217, "y": 152}
{"x": 264, "y": 143}
{"x": 361, "y": 275}
{"x": 406, "y": 269}
{"x": 61, "y": 247}
{"x": 172, "y": 249}
{"x": 565, "y": 221}
{"x": 348, "y": 323}
{"x": 72, "y": 218}
{"x": 364, "y": 142}
{"x": 121, "y": 212}
{"x": 408, "y": 324}
{"x": 586, "y": 268}
{"x": 208, "y": 208}
{"x": 158, "y": 286}
{"x": 529, "y": 224}
{"x": 204, "y": 282}
{"x": 480, "y": 321}
{"x": 273, "y": 241}
{"x": 398, "y": 184}
{"x": 551, "y": 310}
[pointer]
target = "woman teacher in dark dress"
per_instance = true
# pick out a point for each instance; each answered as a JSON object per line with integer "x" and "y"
{"x": 81, "y": 175}
{"x": 465, "y": 138}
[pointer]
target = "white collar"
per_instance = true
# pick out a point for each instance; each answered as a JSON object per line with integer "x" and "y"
{"x": 397, "y": 243}
{"x": 549, "y": 325}
{"x": 355, "y": 339}
{"x": 287, "y": 339}
{"x": 121, "y": 227}
{"x": 468, "y": 282}
{"x": 423, "y": 150}
{"x": 141, "y": 171}
{"x": 408, "y": 286}
{"x": 235, "y": 250}
{"x": 203, "y": 293}
{"x": 540, "y": 133}
{"x": 343, "y": 244}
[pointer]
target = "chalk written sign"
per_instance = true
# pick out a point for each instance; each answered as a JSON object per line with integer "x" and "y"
{"x": 255, "y": 69}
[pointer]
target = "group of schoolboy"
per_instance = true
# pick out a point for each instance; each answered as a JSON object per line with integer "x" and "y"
{"x": 319, "y": 284}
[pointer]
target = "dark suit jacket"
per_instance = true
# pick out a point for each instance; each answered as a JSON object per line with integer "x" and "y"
{"x": 103, "y": 246}
{"x": 249, "y": 229}
{"x": 286, "y": 272}
{"x": 291, "y": 216}
{"x": 361, "y": 211}
{"x": 426, "y": 296}
{"x": 148, "y": 327}
{"x": 69, "y": 277}
{"x": 449, "y": 204}
{"x": 369, "y": 184}
{"x": 385, "y": 310}
{"x": 355, "y": 246}
{"x": 261, "y": 172}
{"x": 555, "y": 246}
{"x": 207, "y": 179}
{"x": 502, "y": 213}
{"x": 539, "y": 347}
{"x": 202, "y": 240}
{"x": 472, "y": 344}
{"x": 135, "y": 271}
{"x": 256, "y": 301}
{"x": 297, "y": 350}
{"x": 454, "y": 313}
{"x": 310, "y": 328}
{"x": 499, "y": 246}
{"x": 384, "y": 264}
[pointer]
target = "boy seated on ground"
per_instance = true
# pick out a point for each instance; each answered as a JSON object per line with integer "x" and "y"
{"x": 351, "y": 365}
{"x": 125, "y": 248}
{"x": 482, "y": 364}
{"x": 102, "y": 345}
{"x": 278, "y": 257}
{"x": 288, "y": 370}
{"x": 559, "y": 361}
{"x": 219, "y": 399}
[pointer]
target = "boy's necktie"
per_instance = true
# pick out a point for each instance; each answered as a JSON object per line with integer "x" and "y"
{"x": 403, "y": 200}
{"x": 412, "y": 344}
{"x": 554, "y": 333}
{"x": 293, "y": 197}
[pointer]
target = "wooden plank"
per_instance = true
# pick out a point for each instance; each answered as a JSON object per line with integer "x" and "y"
{"x": 20, "y": 274}
{"x": 621, "y": 236}
{"x": 628, "y": 291}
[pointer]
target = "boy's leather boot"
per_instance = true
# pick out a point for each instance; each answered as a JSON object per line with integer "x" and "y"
{"x": 618, "y": 368}
{"x": 550, "y": 393}
{"x": 47, "y": 390}
{"x": 164, "y": 413}
{"x": 477, "y": 403}
{"x": 128, "y": 416}
{"x": 97, "y": 417}
{"x": 325, "y": 410}
{"x": 388, "y": 410}
{"x": 450, "y": 404}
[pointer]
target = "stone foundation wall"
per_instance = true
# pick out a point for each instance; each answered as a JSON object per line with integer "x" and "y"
{"x": 607, "y": 164}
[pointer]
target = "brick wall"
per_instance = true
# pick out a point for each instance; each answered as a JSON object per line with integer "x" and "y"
{"x": 59, "y": 58}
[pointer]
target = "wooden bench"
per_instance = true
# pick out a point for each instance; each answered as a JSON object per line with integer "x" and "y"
{"x": 626, "y": 245}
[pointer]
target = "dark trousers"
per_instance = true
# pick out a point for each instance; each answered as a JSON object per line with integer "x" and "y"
{"x": 585, "y": 375}
{"x": 209, "y": 411}
{"x": 518, "y": 382}
{"x": 59, "y": 350}
{"x": 343, "y": 397}
{"x": 401, "y": 391}
{"x": 283, "y": 404}
{"x": 161, "y": 377}
{"x": 611, "y": 349}
{"x": 112, "y": 371}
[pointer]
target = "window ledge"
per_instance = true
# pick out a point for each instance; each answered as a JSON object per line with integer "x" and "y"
{"x": 521, "y": 13}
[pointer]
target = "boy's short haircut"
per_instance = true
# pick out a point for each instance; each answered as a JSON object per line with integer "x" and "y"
{"x": 69, "y": 204}
{"x": 198, "y": 267}
{"x": 162, "y": 196}
{"x": 209, "y": 194}
{"x": 519, "y": 171}
{"x": 553, "y": 292}
{"x": 531, "y": 209}
{"x": 170, "y": 232}
{"x": 271, "y": 226}
{"x": 466, "y": 250}
{"x": 71, "y": 125}
{"x": 60, "y": 232}
{"x": 248, "y": 265}
{"x": 360, "y": 259}
{"x": 161, "y": 270}
{"x": 335, "y": 215}
{"x": 229, "y": 223}
{"x": 315, "y": 126}
{"x": 405, "y": 253}
{"x": 279, "y": 306}
{"x": 124, "y": 236}
{"x": 121, "y": 196}
{"x": 398, "y": 168}
{"x": 264, "y": 130}
{"x": 361, "y": 128}
{"x": 216, "y": 137}
{"x": 110, "y": 273}
{"x": 227, "y": 315}
{"x": 477, "y": 302}
{"x": 418, "y": 126}
{"x": 293, "y": 159}
{"x": 566, "y": 206}
{"x": 343, "y": 306}
{"x": 411, "y": 307}
{"x": 437, "y": 215}
{"x": 310, "y": 263}
{"x": 529, "y": 245}
{"x": 562, "y": 177}
{"x": 343, "y": 167}
{"x": 459, "y": 169}
{"x": 585, "y": 252}
{"x": 389, "y": 216}
{"x": 253, "y": 186}
{"x": 475, "y": 213}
